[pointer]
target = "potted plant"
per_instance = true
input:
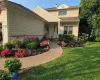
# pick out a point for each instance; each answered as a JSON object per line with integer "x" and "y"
{"x": 44, "y": 43}
{"x": 31, "y": 46}
{"x": 4, "y": 75}
{"x": 9, "y": 46}
{"x": 13, "y": 65}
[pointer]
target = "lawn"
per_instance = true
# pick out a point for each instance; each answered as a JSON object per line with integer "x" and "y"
{"x": 75, "y": 64}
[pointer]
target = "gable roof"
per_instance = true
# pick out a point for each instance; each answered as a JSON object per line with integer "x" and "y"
{"x": 62, "y": 6}
{"x": 26, "y": 9}
{"x": 45, "y": 14}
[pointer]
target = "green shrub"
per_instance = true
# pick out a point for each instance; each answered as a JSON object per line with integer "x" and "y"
{"x": 8, "y": 45}
{"x": 66, "y": 37}
{"x": 1, "y": 48}
{"x": 32, "y": 45}
{"x": 97, "y": 39}
{"x": 84, "y": 37}
{"x": 12, "y": 64}
{"x": 26, "y": 41}
{"x": 16, "y": 43}
{"x": 4, "y": 75}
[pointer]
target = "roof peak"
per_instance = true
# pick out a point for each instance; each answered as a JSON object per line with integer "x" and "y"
{"x": 62, "y": 6}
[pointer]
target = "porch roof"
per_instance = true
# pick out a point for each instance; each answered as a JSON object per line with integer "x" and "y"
{"x": 45, "y": 14}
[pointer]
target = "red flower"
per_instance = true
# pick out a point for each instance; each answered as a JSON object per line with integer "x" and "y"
{"x": 21, "y": 53}
{"x": 6, "y": 52}
{"x": 62, "y": 42}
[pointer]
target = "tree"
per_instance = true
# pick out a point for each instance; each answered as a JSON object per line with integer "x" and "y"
{"x": 90, "y": 12}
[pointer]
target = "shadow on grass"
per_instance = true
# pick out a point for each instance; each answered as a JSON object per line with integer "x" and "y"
{"x": 75, "y": 64}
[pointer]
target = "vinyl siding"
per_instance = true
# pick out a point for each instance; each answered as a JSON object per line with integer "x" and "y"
{"x": 24, "y": 23}
{"x": 70, "y": 13}
{"x": 75, "y": 28}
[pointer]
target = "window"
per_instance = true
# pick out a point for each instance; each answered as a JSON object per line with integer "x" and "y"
{"x": 68, "y": 29}
{"x": 62, "y": 12}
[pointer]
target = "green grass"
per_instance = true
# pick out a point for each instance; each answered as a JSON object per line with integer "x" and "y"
{"x": 75, "y": 64}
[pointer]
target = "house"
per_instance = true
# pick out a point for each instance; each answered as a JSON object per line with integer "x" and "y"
{"x": 61, "y": 19}
{"x": 17, "y": 21}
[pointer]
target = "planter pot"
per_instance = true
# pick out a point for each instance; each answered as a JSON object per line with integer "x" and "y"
{"x": 9, "y": 48}
{"x": 30, "y": 52}
{"x": 14, "y": 75}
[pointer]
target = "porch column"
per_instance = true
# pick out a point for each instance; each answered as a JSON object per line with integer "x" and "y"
{"x": 4, "y": 21}
{"x": 58, "y": 27}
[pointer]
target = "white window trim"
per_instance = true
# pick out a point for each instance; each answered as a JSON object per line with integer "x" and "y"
{"x": 61, "y": 13}
{"x": 68, "y": 28}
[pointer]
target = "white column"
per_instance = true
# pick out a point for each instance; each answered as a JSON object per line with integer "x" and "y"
{"x": 5, "y": 26}
{"x": 58, "y": 27}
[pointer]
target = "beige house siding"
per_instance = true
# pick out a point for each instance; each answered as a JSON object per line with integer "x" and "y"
{"x": 75, "y": 28}
{"x": 45, "y": 14}
{"x": 70, "y": 13}
{"x": 22, "y": 22}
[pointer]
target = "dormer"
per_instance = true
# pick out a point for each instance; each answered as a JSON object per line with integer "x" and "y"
{"x": 63, "y": 6}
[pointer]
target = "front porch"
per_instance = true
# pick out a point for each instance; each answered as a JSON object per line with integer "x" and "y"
{"x": 51, "y": 30}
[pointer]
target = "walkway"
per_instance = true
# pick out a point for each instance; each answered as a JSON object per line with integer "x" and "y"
{"x": 27, "y": 62}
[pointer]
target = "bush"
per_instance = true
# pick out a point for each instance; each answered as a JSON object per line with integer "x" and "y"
{"x": 66, "y": 37}
{"x": 44, "y": 43}
{"x": 21, "y": 53}
{"x": 1, "y": 48}
{"x": 16, "y": 43}
{"x": 83, "y": 38}
{"x": 8, "y": 45}
{"x": 12, "y": 64}
{"x": 4, "y": 75}
{"x": 6, "y": 53}
{"x": 32, "y": 45}
{"x": 33, "y": 38}
{"x": 97, "y": 39}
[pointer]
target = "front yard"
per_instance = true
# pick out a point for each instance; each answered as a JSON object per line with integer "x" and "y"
{"x": 75, "y": 64}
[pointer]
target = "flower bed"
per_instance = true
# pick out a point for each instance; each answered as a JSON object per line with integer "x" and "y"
{"x": 24, "y": 48}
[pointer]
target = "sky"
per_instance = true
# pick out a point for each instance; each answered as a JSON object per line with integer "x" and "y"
{"x": 46, "y": 3}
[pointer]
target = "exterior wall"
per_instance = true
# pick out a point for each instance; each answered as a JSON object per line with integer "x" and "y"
{"x": 69, "y": 13}
{"x": 45, "y": 14}
{"x": 75, "y": 28}
{"x": 22, "y": 22}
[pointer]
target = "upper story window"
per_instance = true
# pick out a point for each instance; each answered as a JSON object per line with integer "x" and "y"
{"x": 62, "y": 12}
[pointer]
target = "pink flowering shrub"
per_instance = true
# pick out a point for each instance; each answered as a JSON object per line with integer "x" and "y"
{"x": 6, "y": 52}
{"x": 31, "y": 37}
{"x": 21, "y": 53}
{"x": 44, "y": 43}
